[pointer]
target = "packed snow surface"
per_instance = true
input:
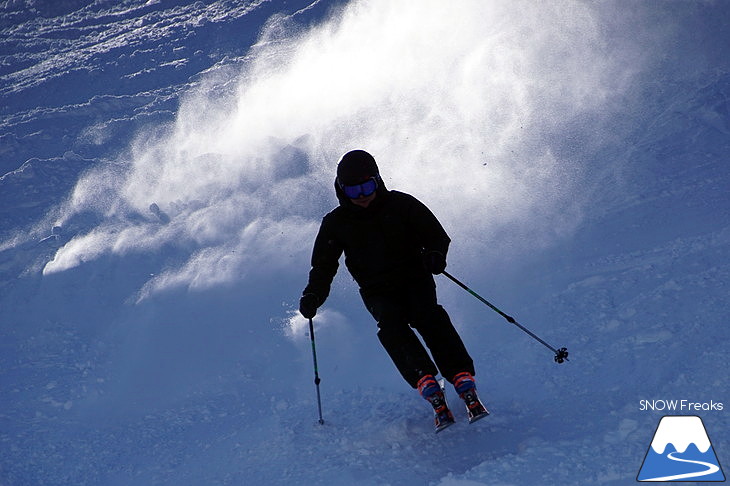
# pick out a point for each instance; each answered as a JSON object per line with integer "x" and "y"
{"x": 164, "y": 166}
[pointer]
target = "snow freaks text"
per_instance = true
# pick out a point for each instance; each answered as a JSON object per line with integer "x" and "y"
{"x": 679, "y": 406}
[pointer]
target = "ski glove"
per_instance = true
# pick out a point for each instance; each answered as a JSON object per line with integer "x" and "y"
{"x": 308, "y": 305}
{"x": 435, "y": 262}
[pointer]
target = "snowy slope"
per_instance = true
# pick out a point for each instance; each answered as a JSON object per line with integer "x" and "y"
{"x": 164, "y": 167}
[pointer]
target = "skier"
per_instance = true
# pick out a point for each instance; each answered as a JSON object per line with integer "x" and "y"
{"x": 393, "y": 245}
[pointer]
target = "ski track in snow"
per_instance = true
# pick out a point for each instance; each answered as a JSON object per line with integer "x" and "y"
{"x": 206, "y": 388}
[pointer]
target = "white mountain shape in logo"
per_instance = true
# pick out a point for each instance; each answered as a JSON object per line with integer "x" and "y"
{"x": 680, "y": 431}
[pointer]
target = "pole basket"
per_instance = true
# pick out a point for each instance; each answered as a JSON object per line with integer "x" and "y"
{"x": 561, "y": 355}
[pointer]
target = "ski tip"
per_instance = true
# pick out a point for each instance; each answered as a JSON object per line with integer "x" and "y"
{"x": 444, "y": 426}
{"x": 478, "y": 417}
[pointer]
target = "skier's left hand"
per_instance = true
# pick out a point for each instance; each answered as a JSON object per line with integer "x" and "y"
{"x": 435, "y": 262}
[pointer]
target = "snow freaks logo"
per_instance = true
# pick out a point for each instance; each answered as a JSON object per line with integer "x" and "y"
{"x": 680, "y": 451}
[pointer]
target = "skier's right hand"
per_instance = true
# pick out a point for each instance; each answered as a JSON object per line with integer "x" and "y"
{"x": 308, "y": 305}
{"x": 435, "y": 262}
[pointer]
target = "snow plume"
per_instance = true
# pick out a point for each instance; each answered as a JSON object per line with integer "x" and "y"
{"x": 465, "y": 107}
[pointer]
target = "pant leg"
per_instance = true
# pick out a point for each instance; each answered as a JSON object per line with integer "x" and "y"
{"x": 395, "y": 334}
{"x": 435, "y": 327}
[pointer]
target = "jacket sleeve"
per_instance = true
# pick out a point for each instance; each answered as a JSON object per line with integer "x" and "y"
{"x": 325, "y": 261}
{"x": 431, "y": 234}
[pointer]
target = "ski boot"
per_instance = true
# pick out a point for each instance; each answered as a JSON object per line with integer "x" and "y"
{"x": 467, "y": 390}
{"x": 433, "y": 391}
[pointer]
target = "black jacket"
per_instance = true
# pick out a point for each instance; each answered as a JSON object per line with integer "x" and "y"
{"x": 383, "y": 244}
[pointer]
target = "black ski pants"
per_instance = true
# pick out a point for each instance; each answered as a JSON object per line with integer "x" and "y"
{"x": 398, "y": 312}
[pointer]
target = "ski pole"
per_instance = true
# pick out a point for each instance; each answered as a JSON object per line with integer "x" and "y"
{"x": 560, "y": 354}
{"x": 316, "y": 371}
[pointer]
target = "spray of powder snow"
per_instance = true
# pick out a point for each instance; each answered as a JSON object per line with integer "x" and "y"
{"x": 459, "y": 105}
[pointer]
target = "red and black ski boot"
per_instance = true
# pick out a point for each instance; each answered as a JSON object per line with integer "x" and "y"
{"x": 467, "y": 390}
{"x": 433, "y": 391}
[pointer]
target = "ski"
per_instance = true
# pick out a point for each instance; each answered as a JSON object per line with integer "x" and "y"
{"x": 475, "y": 409}
{"x": 443, "y": 417}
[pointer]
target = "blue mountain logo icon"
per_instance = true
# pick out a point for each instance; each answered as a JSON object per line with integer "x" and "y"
{"x": 681, "y": 451}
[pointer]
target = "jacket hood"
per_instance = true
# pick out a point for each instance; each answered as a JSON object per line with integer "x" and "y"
{"x": 356, "y": 166}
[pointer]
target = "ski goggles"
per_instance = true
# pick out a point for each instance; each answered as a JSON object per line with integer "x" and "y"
{"x": 364, "y": 189}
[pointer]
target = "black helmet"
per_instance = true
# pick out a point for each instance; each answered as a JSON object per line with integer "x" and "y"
{"x": 355, "y": 167}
